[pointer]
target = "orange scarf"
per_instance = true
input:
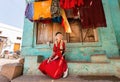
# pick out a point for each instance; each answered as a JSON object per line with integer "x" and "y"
{"x": 42, "y": 9}
{"x": 65, "y": 22}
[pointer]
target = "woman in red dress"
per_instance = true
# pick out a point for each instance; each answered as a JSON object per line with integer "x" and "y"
{"x": 56, "y": 66}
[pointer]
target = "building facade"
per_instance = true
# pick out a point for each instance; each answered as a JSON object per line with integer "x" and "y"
{"x": 84, "y": 57}
{"x": 10, "y": 38}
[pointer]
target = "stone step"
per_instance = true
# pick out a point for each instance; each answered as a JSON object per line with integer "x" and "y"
{"x": 90, "y": 68}
{"x": 99, "y": 58}
{"x": 41, "y": 78}
{"x": 38, "y": 78}
{"x": 82, "y": 68}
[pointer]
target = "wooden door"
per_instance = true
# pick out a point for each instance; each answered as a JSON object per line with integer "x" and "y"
{"x": 75, "y": 36}
{"x": 44, "y": 33}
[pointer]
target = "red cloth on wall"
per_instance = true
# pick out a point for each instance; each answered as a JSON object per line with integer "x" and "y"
{"x": 92, "y": 14}
{"x": 67, "y": 4}
{"x": 56, "y": 68}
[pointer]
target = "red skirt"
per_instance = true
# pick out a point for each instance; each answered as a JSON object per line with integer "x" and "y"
{"x": 54, "y": 69}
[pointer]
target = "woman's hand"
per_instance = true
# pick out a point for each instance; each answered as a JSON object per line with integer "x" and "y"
{"x": 49, "y": 59}
{"x": 56, "y": 57}
{"x": 52, "y": 59}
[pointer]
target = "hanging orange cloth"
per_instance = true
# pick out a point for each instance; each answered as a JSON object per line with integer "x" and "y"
{"x": 42, "y": 9}
{"x": 65, "y": 22}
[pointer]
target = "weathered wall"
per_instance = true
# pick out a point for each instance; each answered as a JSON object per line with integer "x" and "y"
{"x": 115, "y": 15}
{"x": 77, "y": 51}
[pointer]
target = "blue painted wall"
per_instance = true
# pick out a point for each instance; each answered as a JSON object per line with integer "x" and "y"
{"x": 108, "y": 38}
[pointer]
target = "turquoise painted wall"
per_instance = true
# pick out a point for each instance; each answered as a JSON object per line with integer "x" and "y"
{"x": 108, "y": 38}
{"x": 115, "y": 14}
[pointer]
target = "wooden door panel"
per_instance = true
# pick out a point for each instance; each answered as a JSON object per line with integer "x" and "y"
{"x": 44, "y": 33}
{"x": 75, "y": 35}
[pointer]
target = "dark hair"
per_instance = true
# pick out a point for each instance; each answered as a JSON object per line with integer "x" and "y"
{"x": 57, "y": 33}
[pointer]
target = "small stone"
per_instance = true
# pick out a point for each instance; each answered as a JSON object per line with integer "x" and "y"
{"x": 4, "y": 79}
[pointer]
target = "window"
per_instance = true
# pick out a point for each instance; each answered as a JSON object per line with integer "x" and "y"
{"x": 18, "y": 38}
{"x": 46, "y": 33}
{"x": 3, "y": 39}
{"x": 3, "y": 42}
{"x": 81, "y": 35}
{"x": 0, "y": 32}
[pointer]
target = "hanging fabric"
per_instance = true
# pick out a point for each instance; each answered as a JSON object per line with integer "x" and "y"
{"x": 69, "y": 13}
{"x": 72, "y": 13}
{"x": 42, "y": 9}
{"x": 79, "y": 3}
{"x": 38, "y": 10}
{"x": 92, "y": 14}
{"x": 68, "y": 4}
{"x": 29, "y": 11}
{"x": 65, "y": 22}
{"x": 55, "y": 9}
{"x": 57, "y": 19}
{"x": 76, "y": 11}
{"x": 46, "y": 21}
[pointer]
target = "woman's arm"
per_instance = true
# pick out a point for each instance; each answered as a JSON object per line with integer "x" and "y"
{"x": 53, "y": 54}
{"x": 50, "y": 58}
{"x": 56, "y": 57}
